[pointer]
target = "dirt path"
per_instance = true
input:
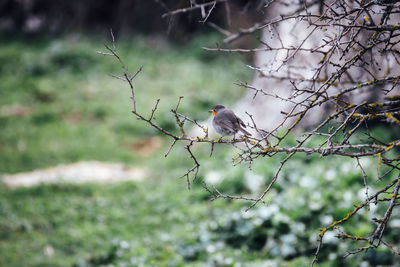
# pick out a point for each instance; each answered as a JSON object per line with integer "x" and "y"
{"x": 80, "y": 172}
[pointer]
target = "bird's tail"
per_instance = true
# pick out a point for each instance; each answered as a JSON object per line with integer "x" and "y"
{"x": 244, "y": 131}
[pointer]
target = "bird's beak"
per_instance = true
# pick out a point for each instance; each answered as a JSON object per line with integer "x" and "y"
{"x": 210, "y": 111}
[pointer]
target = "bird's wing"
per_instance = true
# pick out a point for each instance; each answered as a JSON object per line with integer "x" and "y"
{"x": 228, "y": 120}
{"x": 241, "y": 125}
{"x": 233, "y": 117}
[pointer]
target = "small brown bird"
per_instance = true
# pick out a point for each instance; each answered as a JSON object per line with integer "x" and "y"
{"x": 225, "y": 122}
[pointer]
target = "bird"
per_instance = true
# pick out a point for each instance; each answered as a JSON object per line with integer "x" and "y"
{"x": 225, "y": 122}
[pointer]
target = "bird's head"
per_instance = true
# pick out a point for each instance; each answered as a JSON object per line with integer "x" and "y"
{"x": 217, "y": 108}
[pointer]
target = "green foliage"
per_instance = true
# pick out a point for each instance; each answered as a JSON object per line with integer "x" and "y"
{"x": 70, "y": 109}
{"x": 64, "y": 108}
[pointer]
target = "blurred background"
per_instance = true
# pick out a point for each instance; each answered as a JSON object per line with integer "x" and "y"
{"x": 86, "y": 184}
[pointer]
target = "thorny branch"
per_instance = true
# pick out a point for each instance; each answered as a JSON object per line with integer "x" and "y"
{"x": 351, "y": 51}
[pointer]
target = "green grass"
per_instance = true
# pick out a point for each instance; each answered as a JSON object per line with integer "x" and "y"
{"x": 159, "y": 222}
{"x": 84, "y": 222}
{"x": 77, "y": 111}
{"x": 70, "y": 110}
